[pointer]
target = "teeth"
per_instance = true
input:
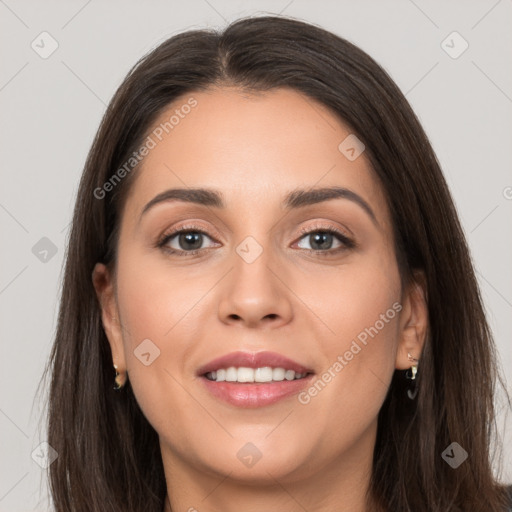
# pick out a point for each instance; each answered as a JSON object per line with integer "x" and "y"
{"x": 231, "y": 374}
{"x": 278, "y": 374}
{"x": 263, "y": 374}
{"x": 243, "y": 374}
{"x": 289, "y": 375}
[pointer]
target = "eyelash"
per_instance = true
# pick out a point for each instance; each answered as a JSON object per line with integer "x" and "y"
{"x": 347, "y": 242}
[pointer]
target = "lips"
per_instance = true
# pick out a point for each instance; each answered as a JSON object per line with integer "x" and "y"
{"x": 253, "y": 360}
{"x": 254, "y": 395}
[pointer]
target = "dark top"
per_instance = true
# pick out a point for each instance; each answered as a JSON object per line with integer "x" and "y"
{"x": 509, "y": 492}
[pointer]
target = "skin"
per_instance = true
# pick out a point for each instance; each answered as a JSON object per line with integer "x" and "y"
{"x": 309, "y": 307}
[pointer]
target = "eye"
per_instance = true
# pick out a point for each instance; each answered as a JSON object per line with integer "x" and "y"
{"x": 185, "y": 240}
{"x": 322, "y": 238}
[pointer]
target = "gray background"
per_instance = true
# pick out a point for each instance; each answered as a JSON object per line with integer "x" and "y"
{"x": 51, "y": 109}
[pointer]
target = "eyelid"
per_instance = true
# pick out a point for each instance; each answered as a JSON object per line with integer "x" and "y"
{"x": 329, "y": 226}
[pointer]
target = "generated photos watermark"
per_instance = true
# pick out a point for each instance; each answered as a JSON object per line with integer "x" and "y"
{"x": 150, "y": 143}
{"x": 344, "y": 359}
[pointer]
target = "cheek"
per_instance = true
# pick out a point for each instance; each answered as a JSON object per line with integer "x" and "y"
{"x": 357, "y": 310}
{"x": 342, "y": 303}
{"x": 157, "y": 300}
{"x": 159, "y": 309}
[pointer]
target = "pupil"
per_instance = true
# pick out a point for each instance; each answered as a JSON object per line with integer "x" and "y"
{"x": 319, "y": 239}
{"x": 190, "y": 238}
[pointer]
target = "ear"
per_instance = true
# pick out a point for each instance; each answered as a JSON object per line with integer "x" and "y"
{"x": 103, "y": 282}
{"x": 413, "y": 321}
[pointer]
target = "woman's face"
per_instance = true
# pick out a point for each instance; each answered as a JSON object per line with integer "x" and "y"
{"x": 266, "y": 275}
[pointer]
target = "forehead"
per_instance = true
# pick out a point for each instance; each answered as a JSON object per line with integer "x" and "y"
{"x": 254, "y": 148}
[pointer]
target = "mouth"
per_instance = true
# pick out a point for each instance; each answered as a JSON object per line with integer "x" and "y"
{"x": 250, "y": 380}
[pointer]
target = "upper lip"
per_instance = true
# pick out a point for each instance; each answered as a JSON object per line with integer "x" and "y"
{"x": 253, "y": 360}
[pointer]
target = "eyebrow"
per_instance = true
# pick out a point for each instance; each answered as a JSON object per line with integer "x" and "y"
{"x": 298, "y": 198}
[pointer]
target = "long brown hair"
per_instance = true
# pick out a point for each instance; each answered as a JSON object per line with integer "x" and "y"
{"x": 108, "y": 454}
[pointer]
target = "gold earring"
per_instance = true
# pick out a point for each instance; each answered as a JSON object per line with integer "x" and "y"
{"x": 117, "y": 385}
{"x": 414, "y": 367}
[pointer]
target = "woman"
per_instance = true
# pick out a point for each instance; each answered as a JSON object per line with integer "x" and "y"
{"x": 320, "y": 345}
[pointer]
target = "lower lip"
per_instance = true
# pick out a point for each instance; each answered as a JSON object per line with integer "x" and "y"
{"x": 250, "y": 395}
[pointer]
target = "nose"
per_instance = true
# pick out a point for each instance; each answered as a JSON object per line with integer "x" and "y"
{"x": 256, "y": 294}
